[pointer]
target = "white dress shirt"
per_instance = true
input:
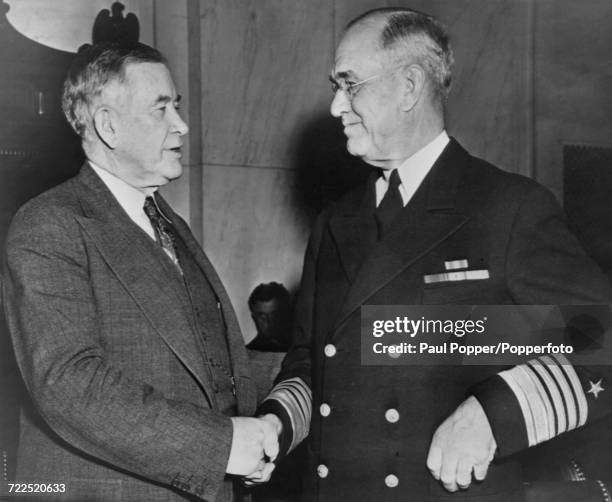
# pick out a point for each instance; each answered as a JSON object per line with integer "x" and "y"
{"x": 130, "y": 199}
{"x": 413, "y": 170}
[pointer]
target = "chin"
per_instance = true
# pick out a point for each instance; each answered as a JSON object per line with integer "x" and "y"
{"x": 356, "y": 148}
{"x": 173, "y": 172}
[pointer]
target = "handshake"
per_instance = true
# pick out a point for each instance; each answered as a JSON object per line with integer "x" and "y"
{"x": 254, "y": 448}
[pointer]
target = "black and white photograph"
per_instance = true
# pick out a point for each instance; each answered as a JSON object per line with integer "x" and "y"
{"x": 306, "y": 250}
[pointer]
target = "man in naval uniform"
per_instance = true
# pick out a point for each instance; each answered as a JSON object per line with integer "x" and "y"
{"x": 433, "y": 226}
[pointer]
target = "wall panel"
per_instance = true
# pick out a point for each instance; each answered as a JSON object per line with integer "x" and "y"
{"x": 573, "y": 62}
{"x": 253, "y": 231}
{"x": 264, "y": 71}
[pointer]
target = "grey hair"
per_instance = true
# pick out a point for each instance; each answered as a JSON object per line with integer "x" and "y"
{"x": 413, "y": 35}
{"x": 92, "y": 69}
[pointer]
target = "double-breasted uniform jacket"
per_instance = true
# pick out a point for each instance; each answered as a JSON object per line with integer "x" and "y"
{"x": 372, "y": 425}
{"x": 123, "y": 403}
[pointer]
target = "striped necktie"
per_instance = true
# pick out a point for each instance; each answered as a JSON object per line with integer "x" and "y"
{"x": 164, "y": 233}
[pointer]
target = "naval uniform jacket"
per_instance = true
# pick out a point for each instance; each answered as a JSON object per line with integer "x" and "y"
{"x": 125, "y": 406}
{"x": 372, "y": 425}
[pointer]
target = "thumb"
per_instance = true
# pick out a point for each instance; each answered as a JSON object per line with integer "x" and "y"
{"x": 270, "y": 441}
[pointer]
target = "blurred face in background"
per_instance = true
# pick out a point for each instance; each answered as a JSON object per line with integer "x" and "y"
{"x": 269, "y": 318}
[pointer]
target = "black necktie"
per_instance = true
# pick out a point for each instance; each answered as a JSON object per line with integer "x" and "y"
{"x": 164, "y": 233}
{"x": 390, "y": 205}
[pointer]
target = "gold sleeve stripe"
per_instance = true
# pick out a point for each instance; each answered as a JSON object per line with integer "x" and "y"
{"x": 555, "y": 395}
{"x": 545, "y": 427}
{"x": 296, "y": 398}
{"x": 514, "y": 385}
{"x": 566, "y": 391}
{"x": 570, "y": 372}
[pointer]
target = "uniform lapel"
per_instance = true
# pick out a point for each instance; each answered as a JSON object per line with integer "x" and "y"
{"x": 354, "y": 230}
{"x": 150, "y": 278}
{"x": 428, "y": 219}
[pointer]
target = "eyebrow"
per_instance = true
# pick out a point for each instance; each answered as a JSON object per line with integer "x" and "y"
{"x": 163, "y": 99}
{"x": 342, "y": 75}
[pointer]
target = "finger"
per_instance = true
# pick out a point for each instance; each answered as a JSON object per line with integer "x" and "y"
{"x": 255, "y": 475}
{"x": 270, "y": 442}
{"x": 267, "y": 471}
{"x": 448, "y": 472}
{"x": 259, "y": 477}
{"x": 260, "y": 465}
{"x": 492, "y": 450}
{"x": 434, "y": 460}
{"x": 464, "y": 474}
{"x": 480, "y": 471}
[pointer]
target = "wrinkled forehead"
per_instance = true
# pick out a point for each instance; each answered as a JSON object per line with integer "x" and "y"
{"x": 359, "y": 52}
{"x": 142, "y": 82}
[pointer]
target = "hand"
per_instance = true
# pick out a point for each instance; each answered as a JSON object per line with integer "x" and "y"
{"x": 263, "y": 475}
{"x": 463, "y": 444}
{"x": 253, "y": 440}
{"x": 274, "y": 421}
{"x": 260, "y": 476}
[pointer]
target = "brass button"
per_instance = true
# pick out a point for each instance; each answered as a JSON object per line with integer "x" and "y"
{"x": 392, "y": 415}
{"x": 330, "y": 350}
{"x": 322, "y": 471}
{"x": 391, "y": 481}
{"x": 325, "y": 410}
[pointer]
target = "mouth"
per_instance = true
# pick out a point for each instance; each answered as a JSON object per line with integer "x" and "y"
{"x": 177, "y": 150}
{"x": 347, "y": 127}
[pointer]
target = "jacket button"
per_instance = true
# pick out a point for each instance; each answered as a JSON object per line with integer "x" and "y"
{"x": 391, "y": 481}
{"x": 392, "y": 415}
{"x": 322, "y": 471}
{"x": 325, "y": 410}
{"x": 330, "y": 350}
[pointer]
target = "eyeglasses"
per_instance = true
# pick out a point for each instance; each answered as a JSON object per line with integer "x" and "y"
{"x": 352, "y": 88}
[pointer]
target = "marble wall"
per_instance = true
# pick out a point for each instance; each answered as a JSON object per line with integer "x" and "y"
{"x": 572, "y": 80}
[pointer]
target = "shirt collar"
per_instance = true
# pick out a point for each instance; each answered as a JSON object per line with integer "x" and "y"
{"x": 131, "y": 199}
{"x": 423, "y": 160}
{"x": 414, "y": 169}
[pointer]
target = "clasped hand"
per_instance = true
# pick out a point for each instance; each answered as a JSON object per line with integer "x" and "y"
{"x": 254, "y": 448}
{"x": 461, "y": 446}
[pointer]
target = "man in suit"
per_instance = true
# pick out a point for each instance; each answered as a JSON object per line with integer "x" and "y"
{"x": 436, "y": 226}
{"x": 124, "y": 334}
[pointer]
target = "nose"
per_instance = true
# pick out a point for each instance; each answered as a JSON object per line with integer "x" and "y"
{"x": 340, "y": 104}
{"x": 178, "y": 124}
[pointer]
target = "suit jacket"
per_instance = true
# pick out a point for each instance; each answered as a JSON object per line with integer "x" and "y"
{"x": 372, "y": 422}
{"x": 104, "y": 334}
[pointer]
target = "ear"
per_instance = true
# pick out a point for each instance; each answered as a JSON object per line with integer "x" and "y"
{"x": 414, "y": 79}
{"x": 105, "y": 124}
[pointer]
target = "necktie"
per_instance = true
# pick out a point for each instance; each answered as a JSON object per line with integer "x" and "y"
{"x": 164, "y": 233}
{"x": 390, "y": 205}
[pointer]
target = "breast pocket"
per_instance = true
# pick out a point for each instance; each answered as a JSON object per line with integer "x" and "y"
{"x": 472, "y": 291}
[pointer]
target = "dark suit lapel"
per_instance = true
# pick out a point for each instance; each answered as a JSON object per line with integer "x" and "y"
{"x": 245, "y": 387}
{"x": 354, "y": 230}
{"x": 428, "y": 219}
{"x": 156, "y": 287}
